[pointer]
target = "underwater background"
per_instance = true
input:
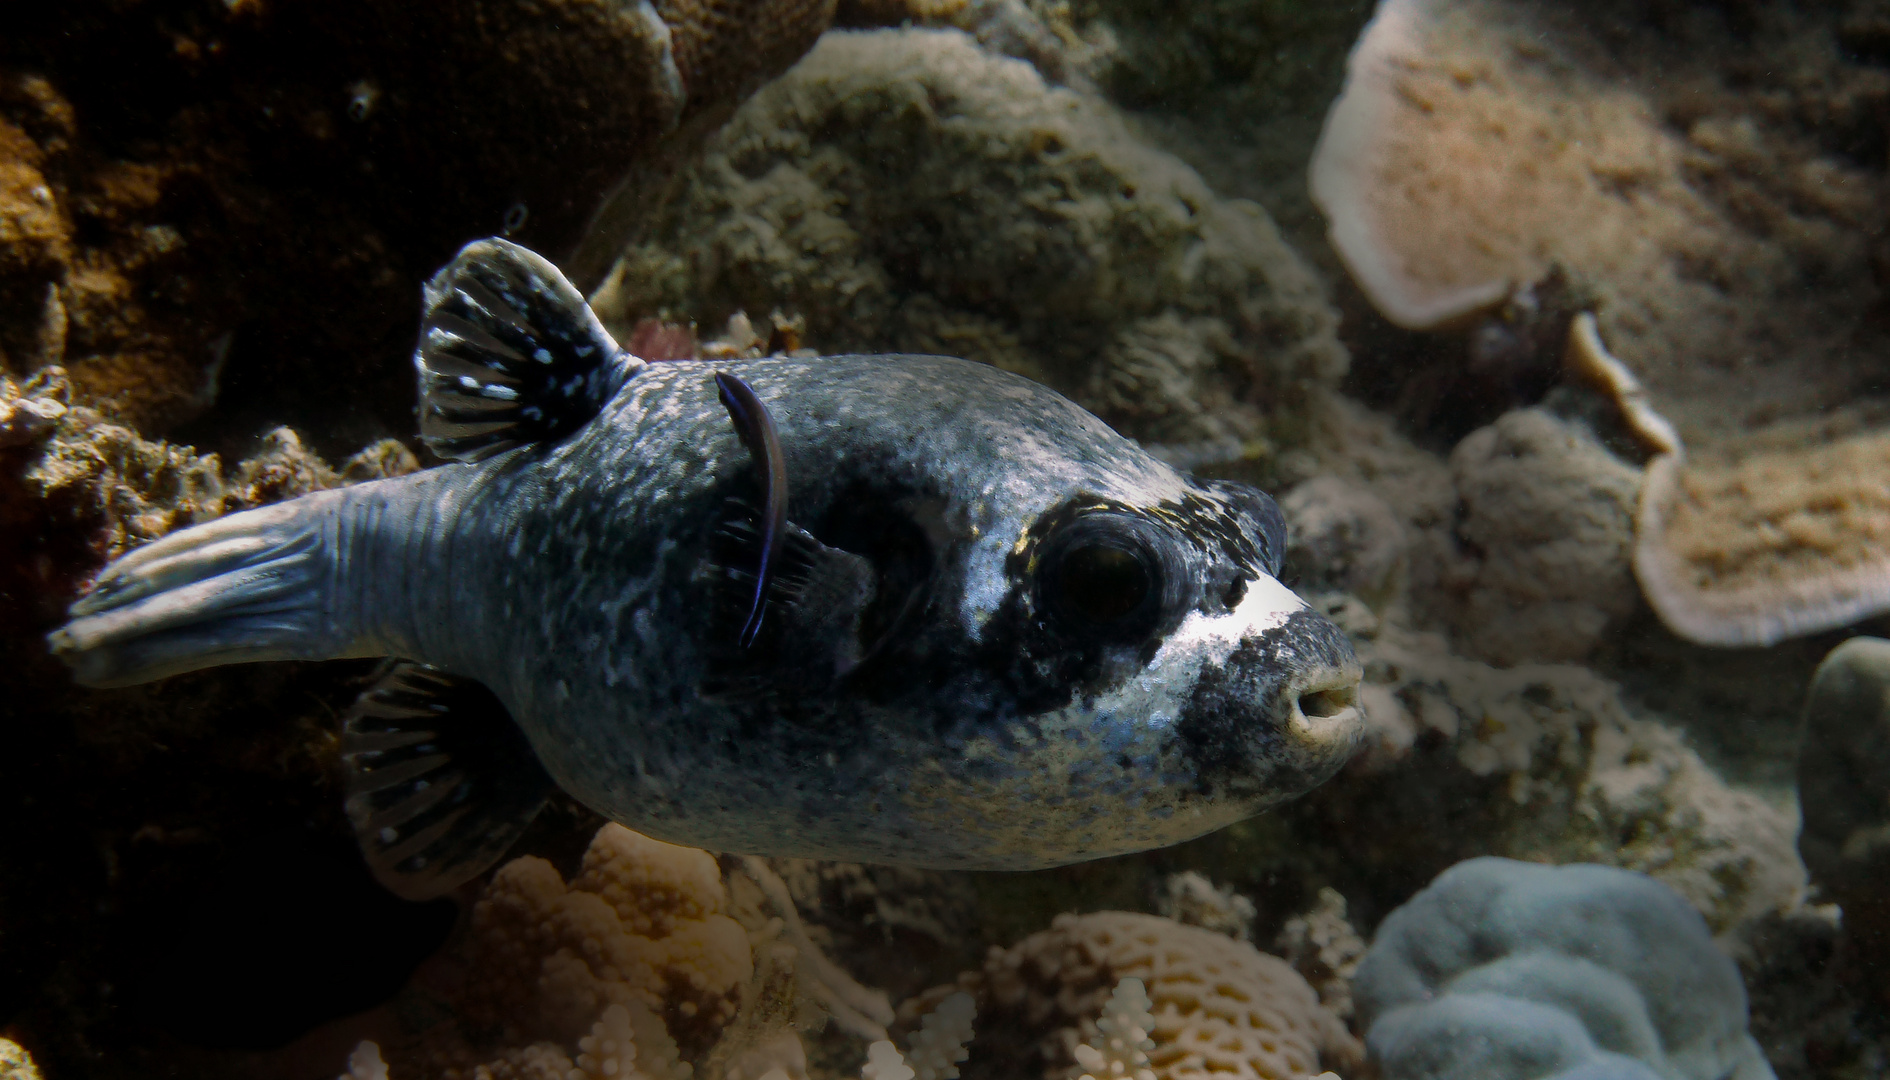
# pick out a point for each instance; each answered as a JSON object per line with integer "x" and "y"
{"x": 1561, "y": 332}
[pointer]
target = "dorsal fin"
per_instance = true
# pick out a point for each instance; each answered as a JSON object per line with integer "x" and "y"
{"x": 509, "y": 353}
{"x": 440, "y": 781}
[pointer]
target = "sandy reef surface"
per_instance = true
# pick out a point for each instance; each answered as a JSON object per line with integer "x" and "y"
{"x": 209, "y": 265}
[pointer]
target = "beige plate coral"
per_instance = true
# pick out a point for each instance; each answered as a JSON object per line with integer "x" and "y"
{"x": 1478, "y": 143}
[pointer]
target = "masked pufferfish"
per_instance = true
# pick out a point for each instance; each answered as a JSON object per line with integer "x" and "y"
{"x": 995, "y": 635}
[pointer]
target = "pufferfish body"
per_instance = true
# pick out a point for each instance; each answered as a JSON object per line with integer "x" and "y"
{"x": 894, "y": 609}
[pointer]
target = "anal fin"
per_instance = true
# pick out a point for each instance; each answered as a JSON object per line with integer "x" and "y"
{"x": 440, "y": 781}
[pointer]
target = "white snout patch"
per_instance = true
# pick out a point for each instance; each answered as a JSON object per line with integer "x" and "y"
{"x": 1267, "y": 605}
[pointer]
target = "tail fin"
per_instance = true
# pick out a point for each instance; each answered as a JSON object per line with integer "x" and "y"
{"x": 251, "y": 586}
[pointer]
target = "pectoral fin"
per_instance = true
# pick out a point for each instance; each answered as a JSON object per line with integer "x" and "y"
{"x": 440, "y": 781}
{"x": 816, "y": 597}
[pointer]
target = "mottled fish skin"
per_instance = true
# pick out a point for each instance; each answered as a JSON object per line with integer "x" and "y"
{"x": 569, "y": 578}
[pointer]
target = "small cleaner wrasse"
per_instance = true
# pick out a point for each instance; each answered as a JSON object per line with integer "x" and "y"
{"x": 896, "y": 609}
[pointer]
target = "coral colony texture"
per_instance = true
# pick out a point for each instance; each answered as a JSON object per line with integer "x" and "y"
{"x": 1561, "y": 332}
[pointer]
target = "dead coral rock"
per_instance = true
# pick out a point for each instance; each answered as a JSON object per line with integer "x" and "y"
{"x": 1326, "y": 949}
{"x": 31, "y": 411}
{"x": 1191, "y": 899}
{"x": 906, "y": 191}
{"x": 1542, "y": 763}
{"x": 1221, "y": 1008}
{"x": 123, "y": 490}
{"x": 1547, "y": 526}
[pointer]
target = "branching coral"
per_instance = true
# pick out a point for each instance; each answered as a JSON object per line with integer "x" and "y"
{"x": 1121, "y": 1049}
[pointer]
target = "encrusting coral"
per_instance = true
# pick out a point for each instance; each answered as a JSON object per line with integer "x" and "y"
{"x": 1220, "y": 1009}
{"x": 1723, "y": 235}
{"x": 1479, "y": 141}
{"x": 1087, "y": 259}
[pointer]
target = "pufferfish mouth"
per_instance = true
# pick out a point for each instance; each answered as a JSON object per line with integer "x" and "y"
{"x": 1320, "y": 703}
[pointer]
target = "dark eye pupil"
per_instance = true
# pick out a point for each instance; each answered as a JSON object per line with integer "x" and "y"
{"x": 1103, "y": 583}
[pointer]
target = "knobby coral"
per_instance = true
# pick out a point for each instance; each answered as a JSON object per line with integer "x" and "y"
{"x": 636, "y": 951}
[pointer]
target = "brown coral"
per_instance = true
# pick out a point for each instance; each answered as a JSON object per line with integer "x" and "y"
{"x": 1221, "y": 1009}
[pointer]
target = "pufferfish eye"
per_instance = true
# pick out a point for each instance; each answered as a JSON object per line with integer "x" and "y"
{"x": 1108, "y": 575}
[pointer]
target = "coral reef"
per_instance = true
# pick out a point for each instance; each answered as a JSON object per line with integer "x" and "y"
{"x": 16, "y": 1063}
{"x": 1844, "y": 800}
{"x": 1190, "y": 898}
{"x": 1502, "y": 969}
{"x": 1324, "y": 948}
{"x": 1724, "y": 242}
{"x": 1541, "y": 762}
{"x": 1705, "y": 258}
{"x": 1219, "y": 1008}
{"x": 1106, "y": 268}
{"x": 242, "y": 203}
{"x": 1122, "y": 1044}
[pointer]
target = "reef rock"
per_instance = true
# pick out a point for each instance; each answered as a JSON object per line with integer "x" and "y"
{"x": 1341, "y": 537}
{"x": 1503, "y": 970}
{"x": 1844, "y": 798}
{"x": 1546, "y": 526}
{"x": 904, "y": 190}
{"x": 1541, "y": 762}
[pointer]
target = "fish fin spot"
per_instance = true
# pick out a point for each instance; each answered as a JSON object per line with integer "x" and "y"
{"x": 509, "y": 353}
{"x": 440, "y": 781}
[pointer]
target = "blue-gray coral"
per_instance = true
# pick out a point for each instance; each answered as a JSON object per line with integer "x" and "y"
{"x": 1504, "y": 970}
